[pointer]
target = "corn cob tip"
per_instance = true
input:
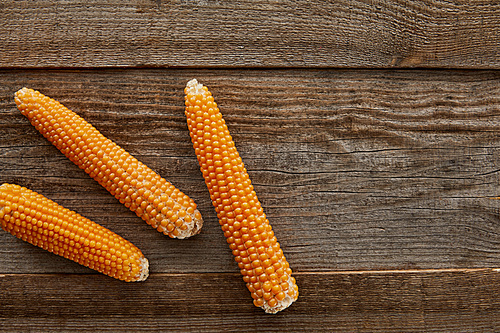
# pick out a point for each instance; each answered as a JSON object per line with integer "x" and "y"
{"x": 18, "y": 95}
{"x": 195, "y": 227}
{"x": 285, "y": 302}
{"x": 193, "y": 87}
{"x": 22, "y": 92}
{"x": 144, "y": 272}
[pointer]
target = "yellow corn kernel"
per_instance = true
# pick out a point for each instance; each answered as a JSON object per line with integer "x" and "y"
{"x": 134, "y": 184}
{"x": 264, "y": 268}
{"x": 43, "y": 223}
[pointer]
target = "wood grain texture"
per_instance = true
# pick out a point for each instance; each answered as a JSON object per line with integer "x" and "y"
{"x": 446, "y": 301}
{"x": 206, "y": 33}
{"x": 379, "y": 181}
{"x": 356, "y": 170}
{"x": 378, "y": 184}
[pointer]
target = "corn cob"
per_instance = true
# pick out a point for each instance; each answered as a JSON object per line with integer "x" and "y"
{"x": 135, "y": 185}
{"x": 43, "y": 223}
{"x": 247, "y": 230}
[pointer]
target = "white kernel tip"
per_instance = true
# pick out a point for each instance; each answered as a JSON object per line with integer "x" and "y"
{"x": 144, "y": 272}
{"x": 193, "y": 87}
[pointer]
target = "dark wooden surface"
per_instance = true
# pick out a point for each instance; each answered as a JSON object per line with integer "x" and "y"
{"x": 242, "y": 33}
{"x": 379, "y": 179}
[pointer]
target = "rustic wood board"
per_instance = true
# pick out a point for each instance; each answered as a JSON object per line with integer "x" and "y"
{"x": 447, "y": 301}
{"x": 378, "y": 183}
{"x": 208, "y": 33}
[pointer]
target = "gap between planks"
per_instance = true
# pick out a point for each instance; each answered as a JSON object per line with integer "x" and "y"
{"x": 333, "y": 273}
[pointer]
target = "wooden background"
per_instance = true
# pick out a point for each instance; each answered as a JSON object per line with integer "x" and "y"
{"x": 370, "y": 129}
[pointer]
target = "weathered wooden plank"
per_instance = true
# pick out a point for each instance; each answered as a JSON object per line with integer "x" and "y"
{"x": 412, "y": 301}
{"x": 357, "y": 170}
{"x": 339, "y": 33}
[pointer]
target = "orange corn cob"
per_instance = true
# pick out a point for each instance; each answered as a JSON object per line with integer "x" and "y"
{"x": 264, "y": 268}
{"x": 138, "y": 187}
{"x": 42, "y": 222}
